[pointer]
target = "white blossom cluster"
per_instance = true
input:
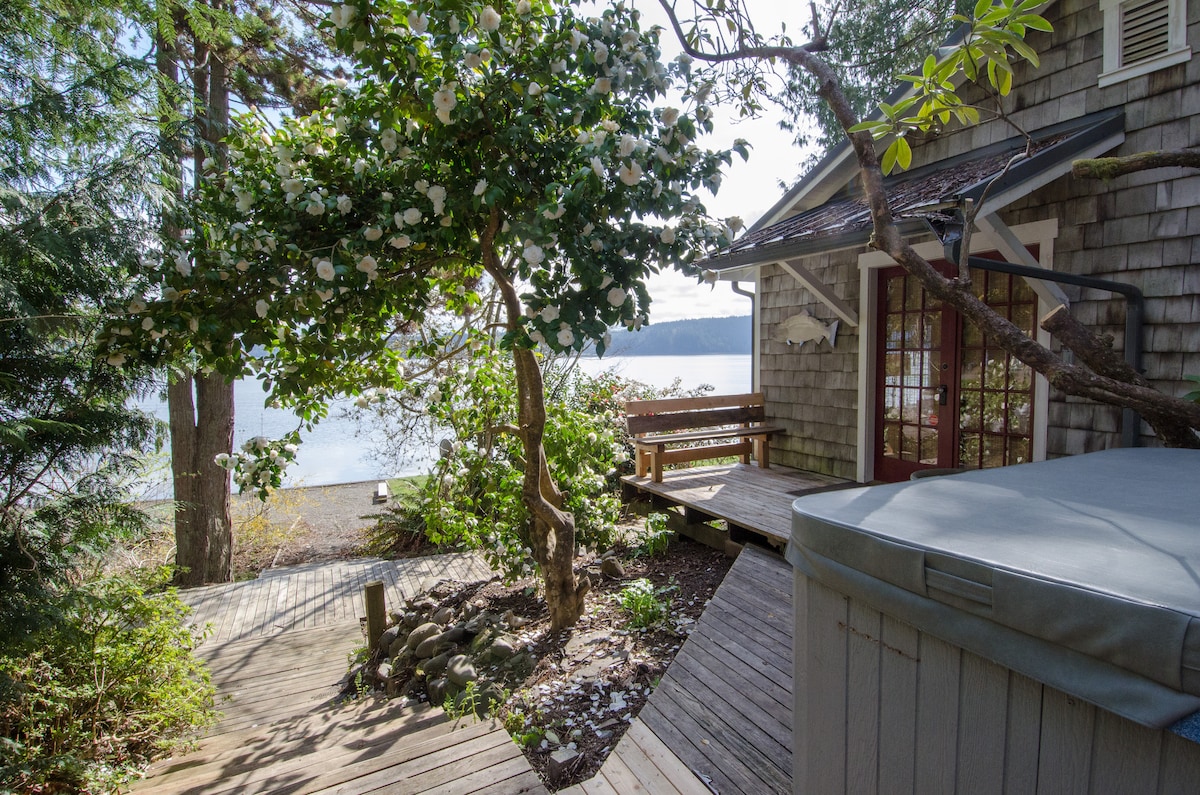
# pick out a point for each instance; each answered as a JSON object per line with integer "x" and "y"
{"x": 259, "y": 464}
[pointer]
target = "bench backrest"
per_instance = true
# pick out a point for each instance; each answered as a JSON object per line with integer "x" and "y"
{"x": 680, "y": 414}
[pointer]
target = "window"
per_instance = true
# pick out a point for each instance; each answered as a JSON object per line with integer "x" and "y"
{"x": 1142, "y": 36}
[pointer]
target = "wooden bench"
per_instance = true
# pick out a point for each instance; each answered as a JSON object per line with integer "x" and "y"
{"x": 659, "y": 424}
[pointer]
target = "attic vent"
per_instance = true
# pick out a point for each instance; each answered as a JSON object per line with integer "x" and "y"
{"x": 1144, "y": 29}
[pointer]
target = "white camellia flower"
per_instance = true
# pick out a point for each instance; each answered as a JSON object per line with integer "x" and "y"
{"x": 325, "y": 270}
{"x": 387, "y": 139}
{"x": 261, "y": 307}
{"x": 242, "y": 265}
{"x": 558, "y": 67}
{"x": 444, "y": 98}
{"x": 419, "y": 23}
{"x": 523, "y": 7}
{"x": 489, "y": 20}
{"x": 630, "y": 174}
{"x": 208, "y": 164}
{"x": 400, "y": 241}
{"x": 183, "y": 265}
{"x": 294, "y": 186}
{"x": 663, "y": 155}
{"x": 437, "y": 195}
{"x": 480, "y": 187}
{"x": 360, "y": 166}
{"x": 344, "y": 204}
{"x": 598, "y": 167}
{"x": 533, "y": 254}
{"x": 342, "y": 15}
{"x": 617, "y": 296}
{"x": 667, "y": 235}
{"x": 603, "y": 85}
{"x": 577, "y": 40}
{"x": 566, "y": 337}
{"x": 324, "y": 295}
{"x": 412, "y": 216}
{"x": 534, "y": 335}
{"x": 607, "y": 280}
{"x": 555, "y": 214}
{"x": 597, "y": 244}
{"x": 735, "y": 223}
{"x": 626, "y": 145}
{"x": 367, "y": 264}
{"x": 549, "y": 314}
{"x": 534, "y": 89}
{"x": 670, "y": 116}
{"x": 147, "y": 323}
{"x": 372, "y": 233}
{"x": 472, "y": 61}
{"x": 600, "y": 49}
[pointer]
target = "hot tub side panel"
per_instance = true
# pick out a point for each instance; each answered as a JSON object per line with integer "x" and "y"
{"x": 881, "y": 707}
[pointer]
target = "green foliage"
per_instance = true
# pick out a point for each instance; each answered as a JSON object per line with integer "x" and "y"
{"x": 869, "y": 43}
{"x": 473, "y": 497}
{"x": 995, "y": 37}
{"x": 1194, "y": 395}
{"x": 644, "y": 603}
{"x": 470, "y": 702}
{"x": 102, "y": 690}
{"x": 656, "y": 537}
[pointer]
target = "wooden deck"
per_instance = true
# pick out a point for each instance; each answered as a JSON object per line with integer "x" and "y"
{"x": 279, "y": 658}
{"x": 318, "y": 594}
{"x": 751, "y": 500}
{"x": 721, "y": 718}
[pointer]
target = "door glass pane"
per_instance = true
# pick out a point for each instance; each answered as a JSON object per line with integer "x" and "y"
{"x": 1018, "y": 451}
{"x": 894, "y": 334}
{"x": 972, "y": 336}
{"x": 895, "y": 295}
{"x": 993, "y": 451}
{"x": 997, "y": 288}
{"x": 910, "y": 411}
{"x": 912, "y": 330}
{"x": 908, "y": 443}
{"x": 993, "y": 411}
{"x": 892, "y": 362}
{"x": 995, "y": 368}
{"x": 929, "y": 445}
{"x": 933, "y": 331}
{"x": 891, "y": 439}
{"x": 1022, "y": 317}
{"x": 1020, "y": 376}
{"x": 891, "y": 403}
{"x": 913, "y": 294}
{"x": 968, "y": 450}
{"x": 1018, "y": 413}
{"x": 970, "y": 410}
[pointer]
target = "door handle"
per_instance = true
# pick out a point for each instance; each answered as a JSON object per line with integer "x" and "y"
{"x": 943, "y": 393}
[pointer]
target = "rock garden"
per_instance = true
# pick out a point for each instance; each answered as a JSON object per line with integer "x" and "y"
{"x": 484, "y": 650}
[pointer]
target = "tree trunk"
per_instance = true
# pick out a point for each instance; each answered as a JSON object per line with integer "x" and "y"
{"x": 214, "y": 435}
{"x": 552, "y": 531}
{"x": 191, "y": 537}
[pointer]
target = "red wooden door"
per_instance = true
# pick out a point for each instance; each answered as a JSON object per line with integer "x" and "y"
{"x": 946, "y": 398}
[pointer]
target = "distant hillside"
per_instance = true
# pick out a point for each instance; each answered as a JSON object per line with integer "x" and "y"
{"x": 708, "y": 335}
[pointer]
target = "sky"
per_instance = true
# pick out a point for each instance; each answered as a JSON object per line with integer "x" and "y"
{"x": 749, "y": 188}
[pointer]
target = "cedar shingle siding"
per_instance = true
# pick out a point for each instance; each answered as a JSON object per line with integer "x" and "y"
{"x": 1143, "y": 229}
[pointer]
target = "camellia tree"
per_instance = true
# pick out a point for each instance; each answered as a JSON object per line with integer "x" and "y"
{"x": 519, "y": 144}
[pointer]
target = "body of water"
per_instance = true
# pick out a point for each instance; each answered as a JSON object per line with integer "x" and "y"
{"x": 334, "y": 452}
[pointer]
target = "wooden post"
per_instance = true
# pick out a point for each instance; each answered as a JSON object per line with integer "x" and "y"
{"x": 376, "y": 613}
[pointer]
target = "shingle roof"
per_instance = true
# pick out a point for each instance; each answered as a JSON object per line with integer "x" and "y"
{"x": 845, "y": 219}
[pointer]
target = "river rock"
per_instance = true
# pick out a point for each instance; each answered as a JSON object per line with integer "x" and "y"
{"x": 612, "y": 567}
{"x": 436, "y": 690}
{"x": 387, "y": 639}
{"x": 423, "y": 633}
{"x": 398, "y": 646}
{"x": 443, "y": 616}
{"x": 436, "y": 666}
{"x": 502, "y": 648}
{"x": 460, "y": 671}
{"x": 431, "y": 647}
{"x": 561, "y": 763}
{"x": 456, "y": 634}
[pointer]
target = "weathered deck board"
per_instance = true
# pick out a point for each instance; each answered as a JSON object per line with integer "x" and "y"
{"x": 314, "y": 595}
{"x": 749, "y": 498}
{"x": 723, "y": 710}
{"x": 284, "y": 732}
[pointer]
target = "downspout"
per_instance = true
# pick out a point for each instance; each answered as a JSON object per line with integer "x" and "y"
{"x": 753, "y": 331}
{"x": 1134, "y": 316}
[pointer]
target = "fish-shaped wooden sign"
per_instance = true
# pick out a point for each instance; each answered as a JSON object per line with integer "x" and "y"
{"x": 799, "y": 329}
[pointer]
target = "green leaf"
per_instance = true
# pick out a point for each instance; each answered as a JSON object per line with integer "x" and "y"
{"x": 888, "y": 162}
{"x": 982, "y": 7}
{"x": 1036, "y": 23}
{"x": 903, "y": 153}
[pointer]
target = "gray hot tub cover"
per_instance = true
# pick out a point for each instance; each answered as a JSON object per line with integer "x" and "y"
{"x": 1082, "y": 572}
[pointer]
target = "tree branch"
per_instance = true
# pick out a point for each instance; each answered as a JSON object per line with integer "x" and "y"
{"x": 1107, "y": 168}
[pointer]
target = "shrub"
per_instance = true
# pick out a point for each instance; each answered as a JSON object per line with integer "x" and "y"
{"x": 102, "y": 690}
{"x": 644, "y": 603}
{"x": 657, "y": 536}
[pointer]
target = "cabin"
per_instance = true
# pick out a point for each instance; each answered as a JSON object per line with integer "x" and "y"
{"x": 906, "y": 385}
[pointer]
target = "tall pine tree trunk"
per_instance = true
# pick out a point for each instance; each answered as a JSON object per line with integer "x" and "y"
{"x": 200, "y": 407}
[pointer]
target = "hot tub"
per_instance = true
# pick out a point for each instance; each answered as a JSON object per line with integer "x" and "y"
{"x": 1034, "y": 628}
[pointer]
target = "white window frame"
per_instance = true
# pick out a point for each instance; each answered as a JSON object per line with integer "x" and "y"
{"x": 1178, "y": 50}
